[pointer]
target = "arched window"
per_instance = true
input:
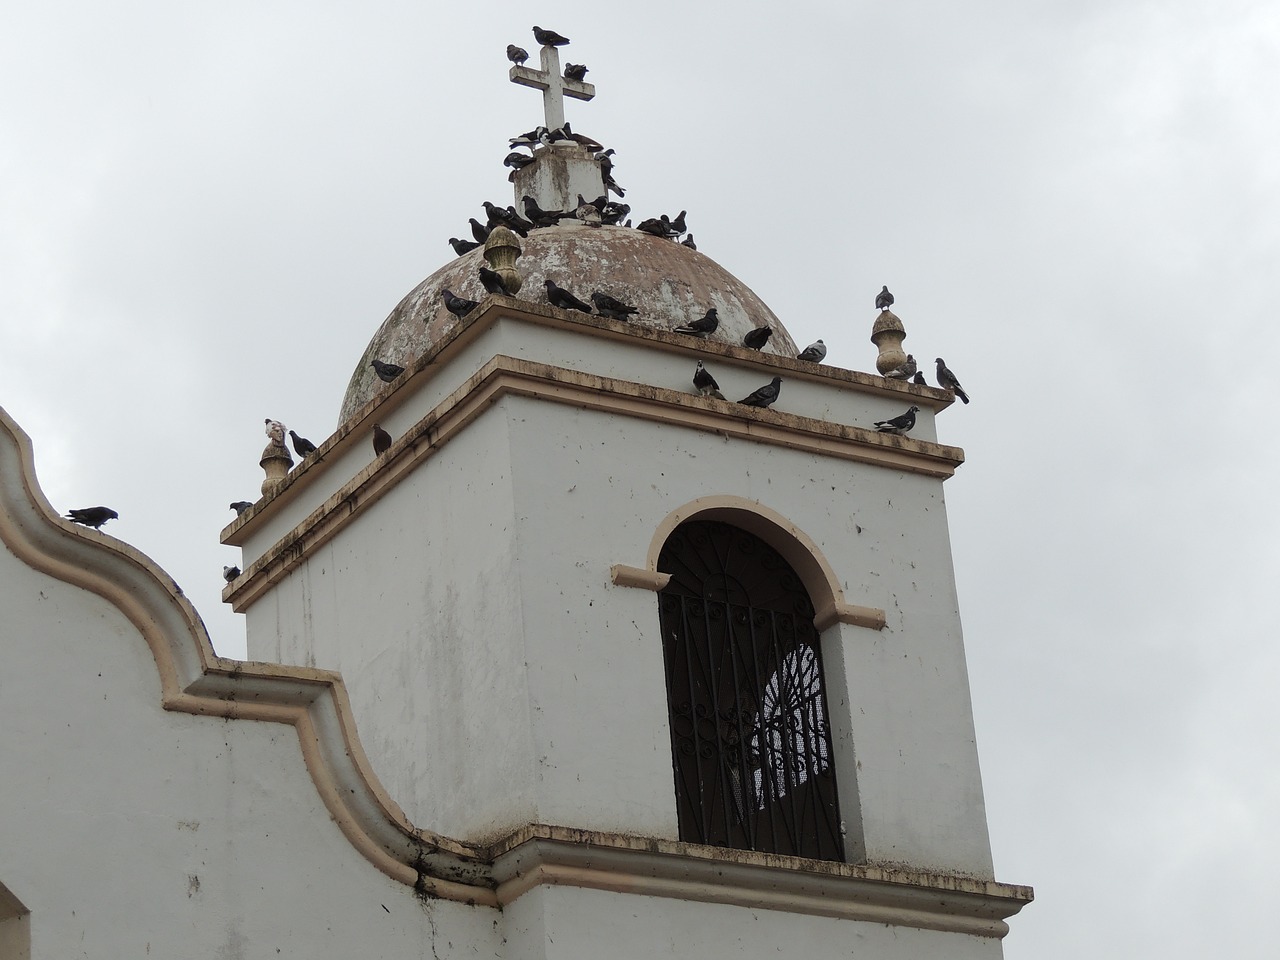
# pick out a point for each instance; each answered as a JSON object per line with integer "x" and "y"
{"x": 750, "y": 738}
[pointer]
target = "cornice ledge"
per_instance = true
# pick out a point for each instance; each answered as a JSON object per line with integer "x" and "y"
{"x": 541, "y": 855}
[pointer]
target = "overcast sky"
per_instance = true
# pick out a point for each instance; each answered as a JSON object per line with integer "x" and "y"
{"x": 207, "y": 210}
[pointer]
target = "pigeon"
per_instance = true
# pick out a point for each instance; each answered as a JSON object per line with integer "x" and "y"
{"x": 765, "y": 395}
{"x": 919, "y": 378}
{"x": 677, "y": 226}
{"x": 607, "y": 306}
{"x": 562, "y": 298}
{"x": 706, "y": 383}
{"x": 387, "y": 371}
{"x": 548, "y": 38}
{"x": 479, "y": 230}
{"x": 92, "y": 516}
{"x": 575, "y": 71}
{"x": 612, "y": 214}
{"x": 274, "y": 430}
{"x": 947, "y": 381}
{"x": 531, "y": 139}
{"x": 518, "y": 160}
{"x": 611, "y": 184}
{"x": 586, "y": 212}
{"x": 491, "y": 280}
{"x": 657, "y": 226}
{"x": 688, "y": 242}
{"x": 462, "y": 246}
{"x": 898, "y": 425}
{"x": 513, "y": 221}
{"x": 904, "y": 370}
{"x": 381, "y": 441}
{"x": 517, "y": 55}
{"x": 230, "y": 573}
{"x": 757, "y": 338}
{"x": 240, "y": 506}
{"x": 605, "y": 159}
{"x": 538, "y": 216}
{"x": 301, "y": 445}
{"x": 703, "y": 326}
{"x": 884, "y": 299}
{"x": 458, "y": 306}
{"x": 814, "y": 352}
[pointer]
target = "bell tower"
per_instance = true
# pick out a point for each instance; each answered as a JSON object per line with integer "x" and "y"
{"x": 654, "y": 671}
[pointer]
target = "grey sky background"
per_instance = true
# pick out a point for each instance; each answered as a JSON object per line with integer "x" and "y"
{"x": 206, "y": 212}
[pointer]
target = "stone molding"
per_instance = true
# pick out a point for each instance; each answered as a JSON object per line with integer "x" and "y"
{"x": 194, "y": 680}
{"x": 502, "y": 376}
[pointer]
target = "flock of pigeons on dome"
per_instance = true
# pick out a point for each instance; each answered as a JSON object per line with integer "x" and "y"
{"x": 602, "y": 211}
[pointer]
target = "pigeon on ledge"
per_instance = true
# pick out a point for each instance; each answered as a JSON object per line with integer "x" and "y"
{"x": 517, "y": 55}
{"x": 765, "y": 395}
{"x": 947, "y": 381}
{"x": 757, "y": 338}
{"x": 302, "y": 446}
{"x": 562, "y": 298}
{"x": 381, "y": 441}
{"x": 386, "y": 371}
{"x": 491, "y": 280}
{"x": 919, "y": 379}
{"x": 706, "y": 383}
{"x": 230, "y": 573}
{"x": 92, "y": 516}
{"x": 904, "y": 370}
{"x": 814, "y": 352}
{"x": 458, "y": 306}
{"x": 240, "y": 506}
{"x": 898, "y": 425}
{"x": 575, "y": 71}
{"x": 703, "y": 326}
{"x": 611, "y": 307}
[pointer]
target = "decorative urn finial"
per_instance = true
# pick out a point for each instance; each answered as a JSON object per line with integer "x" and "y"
{"x": 276, "y": 459}
{"x": 502, "y": 250}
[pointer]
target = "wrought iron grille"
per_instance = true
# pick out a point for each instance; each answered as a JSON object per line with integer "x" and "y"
{"x": 750, "y": 740}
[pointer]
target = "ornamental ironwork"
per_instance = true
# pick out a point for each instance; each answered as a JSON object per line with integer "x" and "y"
{"x": 750, "y": 738}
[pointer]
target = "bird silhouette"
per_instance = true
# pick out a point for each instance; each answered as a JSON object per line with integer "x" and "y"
{"x": 301, "y": 445}
{"x": 92, "y": 516}
{"x": 381, "y": 441}
{"x": 765, "y": 395}
{"x": 884, "y": 299}
{"x": 386, "y": 371}
{"x": 615, "y": 309}
{"x": 492, "y": 281}
{"x": 517, "y": 55}
{"x": 757, "y": 338}
{"x": 458, "y": 306}
{"x": 548, "y": 38}
{"x": 562, "y": 298}
{"x": 947, "y": 381}
{"x": 575, "y": 71}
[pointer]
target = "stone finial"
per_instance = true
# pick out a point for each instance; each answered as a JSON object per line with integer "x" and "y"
{"x": 502, "y": 250}
{"x": 276, "y": 459}
{"x": 887, "y": 333}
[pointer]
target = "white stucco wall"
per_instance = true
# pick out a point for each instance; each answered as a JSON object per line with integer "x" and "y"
{"x": 498, "y": 676}
{"x": 130, "y": 831}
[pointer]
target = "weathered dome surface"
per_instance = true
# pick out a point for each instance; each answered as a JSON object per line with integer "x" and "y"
{"x": 668, "y": 282}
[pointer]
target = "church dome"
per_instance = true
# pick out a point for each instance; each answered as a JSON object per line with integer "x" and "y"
{"x": 669, "y": 283}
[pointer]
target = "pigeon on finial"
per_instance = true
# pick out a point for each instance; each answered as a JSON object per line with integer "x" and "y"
{"x": 386, "y": 371}
{"x": 240, "y": 506}
{"x": 275, "y": 430}
{"x": 381, "y": 441}
{"x": 757, "y": 338}
{"x": 706, "y": 383}
{"x": 517, "y": 55}
{"x": 884, "y": 299}
{"x": 611, "y": 307}
{"x": 814, "y": 352}
{"x": 458, "y": 306}
{"x": 548, "y": 38}
{"x": 899, "y": 425}
{"x": 92, "y": 516}
{"x": 765, "y": 395}
{"x": 703, "y": 326}
{"x": 302, "y": 446}
{"x": 904, "y": 370}
{"x": 562, "y": 298}
{"x": 575, "y": 71}
{"x": 947, "y": 381}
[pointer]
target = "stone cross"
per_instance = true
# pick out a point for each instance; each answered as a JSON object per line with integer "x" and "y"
{"x": 553, "y": 85}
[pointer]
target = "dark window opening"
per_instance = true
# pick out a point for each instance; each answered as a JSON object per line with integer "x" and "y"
{"x": 750, "y": 737}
